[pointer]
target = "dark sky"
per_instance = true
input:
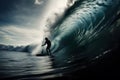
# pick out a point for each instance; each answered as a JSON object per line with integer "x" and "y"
{"x": 17, "y": 17}
{"x": 10, "y": 9}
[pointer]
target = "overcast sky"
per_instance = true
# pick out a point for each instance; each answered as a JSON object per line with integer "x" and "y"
{"x": 23, "y": 21}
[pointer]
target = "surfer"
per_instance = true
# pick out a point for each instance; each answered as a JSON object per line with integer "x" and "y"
{"x": 48, "y": 43}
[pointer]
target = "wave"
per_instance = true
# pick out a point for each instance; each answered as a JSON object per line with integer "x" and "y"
{"x": 86, "y": 30}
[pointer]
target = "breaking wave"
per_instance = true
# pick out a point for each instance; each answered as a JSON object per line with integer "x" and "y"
{"x": 86, "y": 31}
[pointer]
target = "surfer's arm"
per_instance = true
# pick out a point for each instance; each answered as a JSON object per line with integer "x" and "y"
{"x": 44, "y": 44}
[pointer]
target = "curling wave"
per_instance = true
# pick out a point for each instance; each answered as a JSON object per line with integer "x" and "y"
{"x": 85, "y": 31}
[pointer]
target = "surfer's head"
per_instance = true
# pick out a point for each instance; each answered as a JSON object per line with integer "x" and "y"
{"x": 46, "y": 38}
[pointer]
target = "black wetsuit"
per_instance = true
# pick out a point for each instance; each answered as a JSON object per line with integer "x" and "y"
{"x": 48, "y": 42}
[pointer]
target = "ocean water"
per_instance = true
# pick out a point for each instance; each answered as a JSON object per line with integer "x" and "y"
{"x": 24, "y": 66}
{"x": 18, "y": 65}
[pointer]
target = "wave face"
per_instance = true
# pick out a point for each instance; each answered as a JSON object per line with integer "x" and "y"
{"x": 86, "y": 31}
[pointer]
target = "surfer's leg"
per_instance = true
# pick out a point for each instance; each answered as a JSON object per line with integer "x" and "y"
{"x": 49, "y": 51}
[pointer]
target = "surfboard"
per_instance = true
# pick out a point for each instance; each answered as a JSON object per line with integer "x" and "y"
{"x": 44, "y": 55}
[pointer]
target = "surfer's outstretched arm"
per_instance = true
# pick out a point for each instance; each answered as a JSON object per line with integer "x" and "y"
{"x": 44, "y": 44}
